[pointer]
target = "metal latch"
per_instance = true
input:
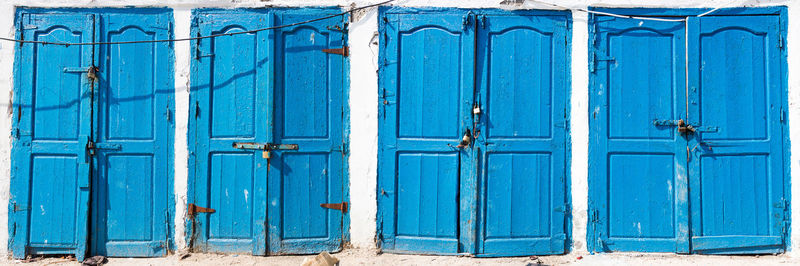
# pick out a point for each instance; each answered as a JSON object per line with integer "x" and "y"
{"x": 336, "y": 206}
{"x": 465, "y": 140}
{"x": 684, "y": 127}
{"x": 194, "y": 209}
{"x": 265, "y": 147}
{"x": 343, "y": 51}
{"x": 91, "y": 147}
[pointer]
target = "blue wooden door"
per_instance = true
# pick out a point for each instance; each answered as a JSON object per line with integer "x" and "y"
{"x": 230, "y": 96}
{"x": 308, "y": 111}
{"x": 270, "y": 87}
{"x": 426, "y": 95}
{"x": 687, "y": 135}
{"x": 521, "y": 136}
{"x": 473, "y": 132}
{"x": 637, "y": 169}
{"x": 133, "y": 137}
{"x": 736, "y": 103}
{"x": 52, "y": 126}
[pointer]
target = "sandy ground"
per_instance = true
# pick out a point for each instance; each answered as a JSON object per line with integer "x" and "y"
{"x": 364, "y": 257}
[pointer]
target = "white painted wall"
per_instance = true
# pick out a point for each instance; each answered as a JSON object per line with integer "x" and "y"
{"x": 364, "y": 97}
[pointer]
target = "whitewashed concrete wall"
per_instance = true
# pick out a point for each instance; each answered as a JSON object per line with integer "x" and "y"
{"x": 364, "y": 96}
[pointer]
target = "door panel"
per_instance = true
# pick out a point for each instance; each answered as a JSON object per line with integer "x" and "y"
{"x": 637, "y": 172}
{"x": 426, "y": 96}
{"x": 229, "y": 90}
{"x": 738, "y": 165}
{"x": 523, "y": 86}
{"x": 50, "y": 168}
{"x": 308, "y": 112}
{"x": 133, "y": 138}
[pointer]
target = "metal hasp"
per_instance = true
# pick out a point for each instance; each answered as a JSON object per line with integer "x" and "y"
{"x": 264, "y": 146}
{"x": 194, "y": 209}
{"x": 684, "y": 127}
{"x": 343, "y": 51}
{"x": 336, "y": 206}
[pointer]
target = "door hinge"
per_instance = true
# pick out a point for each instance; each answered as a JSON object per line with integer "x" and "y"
{"x": 596, "y": 58}
{"x": 784, "y": 227}
{"x": 780, "y": 41}
{"x": 18, "y": 207}
{"x": 196, "y": 109}
{"x": 467, "y": 20}
{"x": 336, "y": 206}
{"x": 782, "y": 204}
{"x": 338, "y": 28}
{"x": 783, "y": 115}
{"x": 343, "y": 51}
{"x": 168, "y": 113}
{"x": 194, "y": 209}
{"x": 342, "y": 148}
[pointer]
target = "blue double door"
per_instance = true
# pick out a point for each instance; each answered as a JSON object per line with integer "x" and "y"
{"x": 92, "y": 135}
{"x": 473, "y": 116}
{"x": 687, "y": 135}
{"x": 267, "y": 133}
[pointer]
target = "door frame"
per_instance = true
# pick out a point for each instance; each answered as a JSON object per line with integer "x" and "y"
{"x": 19, "y": 64}
{"x": 383, "y": 129}
{"x": 594, "y": 159}
{"x": 193, "y": 128}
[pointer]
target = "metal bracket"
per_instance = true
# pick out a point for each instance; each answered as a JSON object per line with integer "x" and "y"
{"x": 264, "y": 146}
{"x": 92, "y": 146}
{"x": 338, "y": 28}
{"x": 336, "y": 206}
{"x": 343, "y": 51}
{"x": 18, "y": 207}
{"x": 194, "y": 209}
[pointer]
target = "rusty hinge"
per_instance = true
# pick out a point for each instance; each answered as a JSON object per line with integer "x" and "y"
{"x": 343, "y": 51}
{"x": 194, "y": 209}
{"x": 18, "y": 207}
{"x": 336, "y": 206}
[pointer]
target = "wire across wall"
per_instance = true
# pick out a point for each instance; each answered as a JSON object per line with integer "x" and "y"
{"x": 345, "y": 13}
